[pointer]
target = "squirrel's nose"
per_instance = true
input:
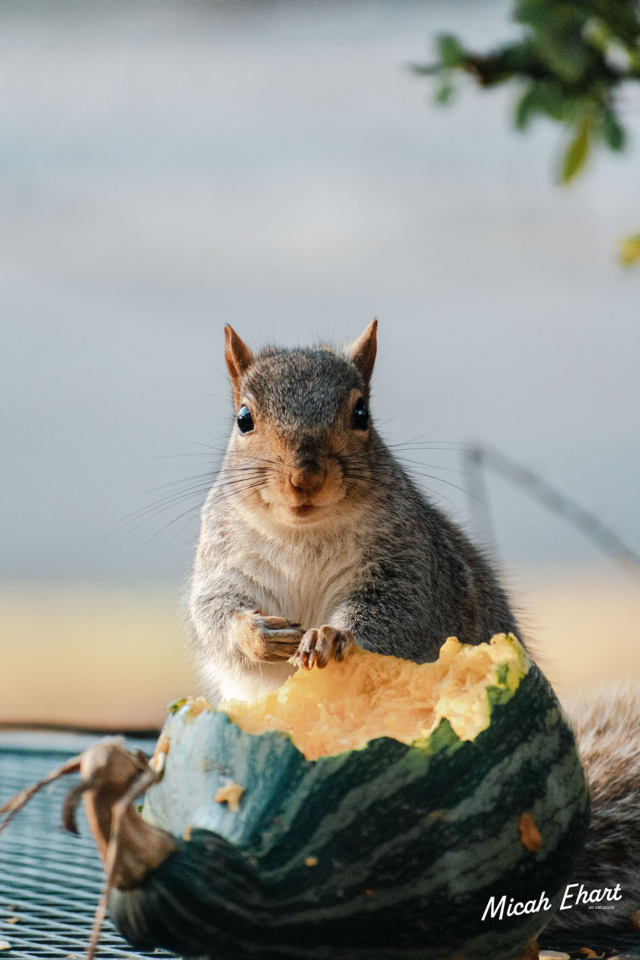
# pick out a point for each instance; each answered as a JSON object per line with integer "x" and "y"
{"x": 308, "y": 478}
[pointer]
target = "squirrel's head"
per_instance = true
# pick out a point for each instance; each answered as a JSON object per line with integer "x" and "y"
{"x": 300, "y": 445}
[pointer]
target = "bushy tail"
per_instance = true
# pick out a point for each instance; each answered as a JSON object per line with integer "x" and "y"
{"x": 606, "y": 722}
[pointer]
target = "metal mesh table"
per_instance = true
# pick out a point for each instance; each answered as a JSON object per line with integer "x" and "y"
{"x": 50, "y": 881}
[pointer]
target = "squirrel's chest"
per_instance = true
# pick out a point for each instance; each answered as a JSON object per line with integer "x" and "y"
{"x": 305, "y": 585}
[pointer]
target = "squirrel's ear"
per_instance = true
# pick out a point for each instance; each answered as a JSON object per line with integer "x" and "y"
{"x": 238, "y": 357}
{"x": 363, "y": 351}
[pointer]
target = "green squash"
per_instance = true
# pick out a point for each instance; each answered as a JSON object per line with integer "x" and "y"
{"x": 391, "y": 851}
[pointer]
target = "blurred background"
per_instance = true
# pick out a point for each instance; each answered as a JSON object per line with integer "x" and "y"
{"x": 169, "y": 166}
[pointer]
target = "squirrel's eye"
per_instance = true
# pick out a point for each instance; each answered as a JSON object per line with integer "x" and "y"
{"x": 360, "y": 416}
{"x": 245, "y": 420}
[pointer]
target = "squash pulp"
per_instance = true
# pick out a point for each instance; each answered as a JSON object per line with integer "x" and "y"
{"x": 347, "y": 704}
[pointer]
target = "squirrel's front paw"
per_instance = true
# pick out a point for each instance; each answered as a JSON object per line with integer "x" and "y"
{"x": 269, "y": 639}
{"x": 319, "y": 646}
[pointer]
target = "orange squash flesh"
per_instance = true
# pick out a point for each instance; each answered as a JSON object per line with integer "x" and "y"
{"x": 342, "y": 707}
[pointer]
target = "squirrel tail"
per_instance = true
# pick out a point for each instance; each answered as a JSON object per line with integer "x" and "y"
{"x": 606, "y": 722}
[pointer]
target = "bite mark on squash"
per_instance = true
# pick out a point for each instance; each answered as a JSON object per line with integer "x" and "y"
{"x": 530, "y": 836}
{"x": 346, "y": 705}
{"x": 230, "y": 794}
{"x": 195, "y": 708}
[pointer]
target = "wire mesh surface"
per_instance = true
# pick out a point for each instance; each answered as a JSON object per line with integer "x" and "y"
{"x": 50, "y": 881}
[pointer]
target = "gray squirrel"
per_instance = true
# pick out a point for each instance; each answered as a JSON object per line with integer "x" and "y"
{"x": 314, "y": 537}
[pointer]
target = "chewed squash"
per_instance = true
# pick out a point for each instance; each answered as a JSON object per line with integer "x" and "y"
{"x": 369, "y": 811}
{"x": 337, "y": 709}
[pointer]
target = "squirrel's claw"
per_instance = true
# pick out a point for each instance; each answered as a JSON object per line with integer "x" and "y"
{"x": 278, "y": 625}
{"x": 319, "y": 646}
{"x": 271, "y": 639}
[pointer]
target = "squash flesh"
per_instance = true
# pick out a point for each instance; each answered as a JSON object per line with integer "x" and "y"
{"x": 345, "y": 705}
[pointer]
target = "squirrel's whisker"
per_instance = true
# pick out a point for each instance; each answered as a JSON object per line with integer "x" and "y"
{"x": 209, "y": 475}
{"x": 242, "y": 485}
{"x": 164, "y": 503}
{"x": 238, "y": 482}
{"x": 197, "y": 507}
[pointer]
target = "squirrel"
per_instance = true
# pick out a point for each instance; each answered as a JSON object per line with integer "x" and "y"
{"x": 606, "y": 725}
{"x": 314, "y": 537}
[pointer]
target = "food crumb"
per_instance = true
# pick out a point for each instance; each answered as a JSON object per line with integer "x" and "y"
{"x": 13, "y": 920}
{"x": 588, "y": 952}
{"x": 311, "y": 861}
{"x": 4, "y": 945}
{"x": 530, "y": 837}
{"x": 553, "y": 955}
{"x": 369, "y": 893}
{"x": 186, "y": 835}
{"x": 230, "y": 794}
{"x": 196, "y": 707}
{"x": 159, "y": 757}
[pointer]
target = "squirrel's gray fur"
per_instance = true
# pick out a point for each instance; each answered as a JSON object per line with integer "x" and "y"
{"x": 313, "y": 534}
{"x": 379, "y": 561}
{"x": 606, "y": 723}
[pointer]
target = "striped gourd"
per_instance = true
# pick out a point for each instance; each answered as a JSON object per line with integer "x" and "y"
{"x": 392, "y": 850}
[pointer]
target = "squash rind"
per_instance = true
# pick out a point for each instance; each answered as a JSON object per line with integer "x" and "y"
{"x": 407, "y": 842}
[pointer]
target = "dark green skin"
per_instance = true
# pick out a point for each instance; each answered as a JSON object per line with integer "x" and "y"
{"x": 410, "y": 841}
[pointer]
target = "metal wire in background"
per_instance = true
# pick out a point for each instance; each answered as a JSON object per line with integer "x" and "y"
{"x": 477, "y": 456}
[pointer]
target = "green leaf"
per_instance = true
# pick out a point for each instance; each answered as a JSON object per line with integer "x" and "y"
{"x": 613, "y": 131}
{"x": 525, "y": 108}
{"x": 630, "y": 251}
{"x": 445, "y": 91}
{"x": 596, "y": 33}
{"x": 578, "y": 150}
{"x": 450, "y": 51}
{"x": 569, "y": 60}
{"x": 542, "y": 98}
{"x": 425, "y": 69}
{"x": 634, "y": 60}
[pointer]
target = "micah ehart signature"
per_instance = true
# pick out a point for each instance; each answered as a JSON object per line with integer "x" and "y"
{"x": 594, "y": 898}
